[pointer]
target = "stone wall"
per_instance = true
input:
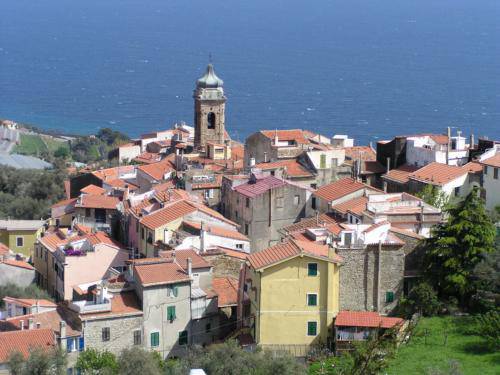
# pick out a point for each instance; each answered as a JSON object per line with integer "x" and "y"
{"x": 16, "y": 275}
{"x": 361, "y": 276}
{"x": 224, "y": 265}
{"x": 121, "y": 333}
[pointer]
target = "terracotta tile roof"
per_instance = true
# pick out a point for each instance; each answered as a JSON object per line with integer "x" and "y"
{"x": 360, "y": 152}
{"x": 113, "y": 173}
{"x": 237, "y": 152}
{"x": 18, "y": 263}
{"x": 218, "y": 231}
{"x": 47, "y": 319}
{"x": 340, "y": 188}
{"x": 400, "y": 174}
{"x": 292, "y": 166}
{"x": 437, "y": 173}
{"x": 65, "y": 202}
{"x": 23, "y": 341}
{"x": 157, "y": 170}
{"x": 159, "y": 273}
{"x": 365, "y": 319}
{"x": 208, "y": 211}
{"x": 53, "y": 240}
{"x": 494, "y": 161}
{"x": 473, "y": 167}
{"x": 227, "y": 290}
{"x": 287, "y": 135}
{"x": 103, "y": 238}
{"x": 118, "y": 183}
{"x": 97, "y": 201}
{"x": 181, "y": 257}
{"x": 29, "y": 302}
{"x": 124, "y": 303}
{"x": 356, "y": 206}
{"x": 311, "y": 222}
{"x": 167, "y": 214}
{"x": 93, "y": 189}
{"x": 219, "y": 250}
{"x": 4, "y": 250}
{"x": 405, "y": 232}
{"x": 439, "y": 138}
{"x": 148, "y": 157}
{"x": 260, "y": 186}
{"x": 82, "y": 228}
{"x": 287, "y": 250}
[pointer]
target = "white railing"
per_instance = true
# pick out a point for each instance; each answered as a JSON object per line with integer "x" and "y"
{"x": 89, "y": 306}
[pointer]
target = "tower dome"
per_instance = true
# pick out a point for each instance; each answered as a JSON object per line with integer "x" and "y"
{"x": 209, "y": 79}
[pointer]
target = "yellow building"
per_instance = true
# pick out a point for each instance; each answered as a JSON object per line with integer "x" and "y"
{"x": 20, "y": 235}
{"x": 291, "y": 295}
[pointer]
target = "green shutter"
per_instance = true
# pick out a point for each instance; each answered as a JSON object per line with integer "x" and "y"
{"x": 312, "y": 269}
{"x": 183, "y": 338}
{"x": 176, "y": 291}
{"x": 312, "y": 299}
{"x": 322, "y": 161}
{"x": 312, "y": 328}
{"x": 155, "y": 339}
{"x": 171, "y": 313}
{"x": 389, "y": 297}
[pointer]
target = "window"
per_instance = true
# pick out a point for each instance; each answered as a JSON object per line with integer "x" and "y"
{"x": 312, "y": 299}
{"x": 457, "y": 190}
{"x": 81, "y": 344}
{"x": 87, "y": 212}
{"x": 19, "y": 241}
{"x": 322, "y": 161}
{"x": 389, "y": 297}
{"x": 183, "y": 337}
{"x": 137, "y": 226}
{"x": 155, "y": 338}
{"x": 208, "y": 327}
{"x": 137, "y": 337}
{"x": 142, "y": 233}
{"x": 106, "y": 334}
{"x": 279, "y": 202}
{"x": 172, "y": 291}
{"x": 247, "y": 202}
{"x": 312, "y": 269}
{"x": 485, "y": 169}
{"x": 239, "y": 246}
{"x": 495, "y": 173}
{"x": 211, "y": 120}
{"x": 236, "y": 214}
{"x": 312, "y": 328}
{"x": 70, "y": 344}
{"x": 296, "y": 200}
{"x": 171, "y": 313}
{"x": 313, "y": 203}
{"x": 150, "y": 237}
{"x": 246, "y": 229}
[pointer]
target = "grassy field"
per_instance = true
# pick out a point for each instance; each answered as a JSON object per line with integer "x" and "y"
{"x": 427, "y": 349}
{"x": 31, "y": 144}
{"x": 54, "y": 144}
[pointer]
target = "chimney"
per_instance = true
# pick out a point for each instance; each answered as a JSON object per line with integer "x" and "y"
{"x": 202, "y": 238}
{"x": 252, "y": 162}
{"x": 388, "y": 165}
{"x": 448, "y": 146}
{"x": 21, "y": 325}
{"x": 189, "y": 267}
{"x": 173, "y": 256}
{"x": 317, "y": 218}
{"x": 471, "y": 145}
{"x": 38, "y": 325}
{"x": 30, "y": 323}
{"x": 276, "y": 140}
{"x": 265, "y": 157}
{"x": 62, "y": 334}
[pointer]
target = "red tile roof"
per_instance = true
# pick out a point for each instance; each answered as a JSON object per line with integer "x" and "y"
{"x": 53, "y": 240}
{"x": 260, "y": 186}
{"x": 473, "y": 167}
{"x": 122, "y": 304}
{"x": 148, "y": 157}
{"x": 292, "y": 166}
{"x": 209, "y": 185}
{"x": 160, "y": 272}
{"x": 29, "y": 302}
{"x": 437, "y": 173}
{"x": 218, "y": 231}
{"x": 287, "y": 250}
{"x": 356, "y": 206}
{"x": 97, "y": 201}
{"x": 365, "y": 319}
{"x": 157, "y": 170}
{"x": 400, "y": 174}
{"x": 17, "y": 263}
{"x": 4, "y": 250}
{"x": 23, "y": 341}
{"x": 113, "y": 173}
{"x": 65, "y": 202}
{"x": 287, "y": 135}
{"x": 360, "y": 152}
{"x": 339, "y": 188}
{"x": 93, "y": 189}
{"x": 494, "y": 161}
{"x": 227, "y": 290}
{"x": 181, "y": 257}
{"x": 167, "y": 214}
{"x": 311, "y": 222}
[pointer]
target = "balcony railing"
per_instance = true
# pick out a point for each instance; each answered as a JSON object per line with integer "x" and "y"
{"x": 90, "y": 306}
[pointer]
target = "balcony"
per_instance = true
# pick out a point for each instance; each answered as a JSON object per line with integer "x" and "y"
{"x": 85, "y": 307}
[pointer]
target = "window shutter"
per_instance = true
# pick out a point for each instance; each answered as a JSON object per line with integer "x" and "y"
{"x": 81, "y": 344}
{"x": 176, "y": 291}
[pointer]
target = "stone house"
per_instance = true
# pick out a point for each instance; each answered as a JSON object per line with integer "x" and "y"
{"x": 265, "y": 204}
{"x": 150, "y": 175}
{"x": 491, "y": 178}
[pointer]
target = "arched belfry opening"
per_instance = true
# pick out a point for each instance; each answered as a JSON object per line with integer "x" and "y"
{"x": 211, "y": 120}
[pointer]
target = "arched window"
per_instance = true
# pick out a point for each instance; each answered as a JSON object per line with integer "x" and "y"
{"x": 211, "y": 120}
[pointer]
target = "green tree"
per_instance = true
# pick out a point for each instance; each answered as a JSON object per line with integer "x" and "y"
{"x": 92, "y": 361}
{"x": 15, "y": 363}
{"x": 61, "y": 152}
{"x": 422, "y": 299}
{"x": 434, "y": 196}
{"x": 139, "y": 361}
{"x": 458, "y": 245}
{"x": 39, "y": 362}
{"x": 489, "y": 328}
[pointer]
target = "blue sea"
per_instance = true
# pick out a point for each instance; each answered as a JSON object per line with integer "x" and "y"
{"x": 370, "y": 69}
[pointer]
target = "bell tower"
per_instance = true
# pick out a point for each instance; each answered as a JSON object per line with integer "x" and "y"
{"x": 209, "y": 107}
